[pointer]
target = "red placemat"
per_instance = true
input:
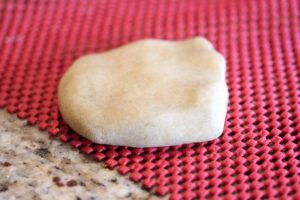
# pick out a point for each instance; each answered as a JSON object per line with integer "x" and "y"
{"x": 257, "y": 157}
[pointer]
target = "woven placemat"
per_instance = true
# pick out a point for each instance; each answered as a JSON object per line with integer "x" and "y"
{"x": 257, "y": 157}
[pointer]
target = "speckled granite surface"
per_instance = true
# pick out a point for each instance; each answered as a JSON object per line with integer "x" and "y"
{"x": 34, "y": 166}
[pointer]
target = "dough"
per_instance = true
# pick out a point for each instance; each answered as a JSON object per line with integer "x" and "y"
{"x": 147, "y": 93}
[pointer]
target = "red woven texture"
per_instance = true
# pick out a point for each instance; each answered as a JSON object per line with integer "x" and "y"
{"x": 257, "y": 157}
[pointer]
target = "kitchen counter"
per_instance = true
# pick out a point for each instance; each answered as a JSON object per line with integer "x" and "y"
{"x": 35, "y": 166}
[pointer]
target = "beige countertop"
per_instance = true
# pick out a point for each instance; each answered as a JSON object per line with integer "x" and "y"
{"x": 35, "y": 166}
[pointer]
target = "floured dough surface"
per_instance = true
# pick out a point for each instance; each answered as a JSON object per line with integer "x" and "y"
{"x": 147, "y": 93}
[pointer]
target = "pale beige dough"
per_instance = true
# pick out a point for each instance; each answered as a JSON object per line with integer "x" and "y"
{"x": 147, "y": 93}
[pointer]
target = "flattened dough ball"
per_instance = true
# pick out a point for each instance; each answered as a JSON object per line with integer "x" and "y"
{"x": 147, "y": 93}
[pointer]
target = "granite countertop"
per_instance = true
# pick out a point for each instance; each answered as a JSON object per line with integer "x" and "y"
{"x": 34, "y": 166}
